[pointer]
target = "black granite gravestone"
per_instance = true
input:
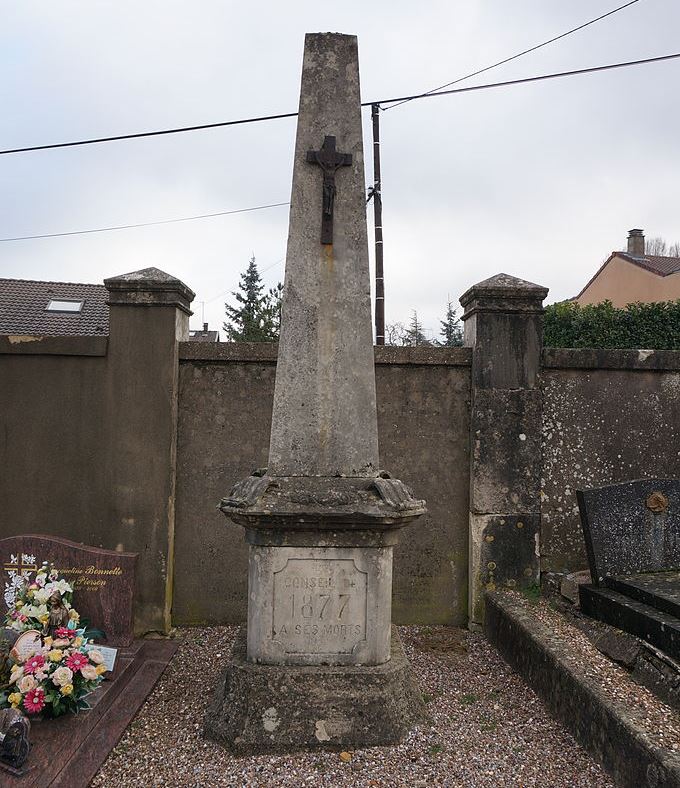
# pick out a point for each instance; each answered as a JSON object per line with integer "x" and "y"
{"x": 632, "y": 535}
{"x": 631, "y": 527}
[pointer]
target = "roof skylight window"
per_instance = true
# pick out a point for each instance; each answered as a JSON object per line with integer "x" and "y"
{"x": 58, "y": 305}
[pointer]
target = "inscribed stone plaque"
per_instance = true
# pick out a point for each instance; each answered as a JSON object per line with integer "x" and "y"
{"x": 319, "y": 606}
{"x": 103, "y": 580}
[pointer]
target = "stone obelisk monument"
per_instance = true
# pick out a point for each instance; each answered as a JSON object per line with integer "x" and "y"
{"x": 322, "y": 665}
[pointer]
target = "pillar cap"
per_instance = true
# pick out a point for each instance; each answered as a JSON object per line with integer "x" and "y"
{"x": 503, "y": 293}
{"x": 149, "y": 287}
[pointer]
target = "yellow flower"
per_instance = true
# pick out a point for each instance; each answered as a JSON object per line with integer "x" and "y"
{"x": 67, "y": 689}
{"x": 74, "y": 615}
{"x": 44, "y": 619}
{"x": 78, "y": 642}
{"x": 100, "y": 669}
{"x": 31, "y": 594}
{"x": 55, "y": 655}
{"x": 15, "y": 699}
{"x": 18, "y": 604}
{"x": 47, "y": 641}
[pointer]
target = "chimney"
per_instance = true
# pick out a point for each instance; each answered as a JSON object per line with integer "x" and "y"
{"x": 636, "y": 243}
{"x": 205, "y": 325}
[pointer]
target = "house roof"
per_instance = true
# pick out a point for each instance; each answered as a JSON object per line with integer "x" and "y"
{"x": 23, "y": 308}
{"x": 204, "y": 336}
{"x": 656, "y": 264}
{"x": 663, "y": 266}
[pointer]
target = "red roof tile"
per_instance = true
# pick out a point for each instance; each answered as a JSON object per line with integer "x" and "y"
{"x": 654, "y": 262}
{"x": 23, "y": 308}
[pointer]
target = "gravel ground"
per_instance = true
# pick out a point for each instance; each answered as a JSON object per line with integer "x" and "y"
{"x": 659, "y": 720}
{"x": 488, "y": 729}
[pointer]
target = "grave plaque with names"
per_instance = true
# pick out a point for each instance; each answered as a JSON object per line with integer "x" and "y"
{"x": 103, "y": 580}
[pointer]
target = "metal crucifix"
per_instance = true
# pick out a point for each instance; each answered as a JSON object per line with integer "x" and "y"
{"x": 329, "y": 160}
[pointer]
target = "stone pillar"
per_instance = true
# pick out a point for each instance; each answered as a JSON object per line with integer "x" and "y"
{"x": 148, "y": 316}
{"x": 321, "y": 665}
{"x": 503, "y": 324}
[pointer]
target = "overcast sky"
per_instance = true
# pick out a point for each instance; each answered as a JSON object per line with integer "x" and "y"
{"x": 541, "y": 181}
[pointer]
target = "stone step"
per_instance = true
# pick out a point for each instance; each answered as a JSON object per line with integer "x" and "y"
{"x": 660, "y": 590}
{"x": 656, "y": 627}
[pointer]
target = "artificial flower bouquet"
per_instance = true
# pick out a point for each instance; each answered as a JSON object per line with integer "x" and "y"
{"x": 56, "y": 675}
{"x": 57, "y": 678}
{"x": 30, "y": 609}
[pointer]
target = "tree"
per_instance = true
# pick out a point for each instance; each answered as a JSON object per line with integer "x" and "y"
{"x": 674, "y": 251}
{"x": 414, "y": 333}
{"x": 274, "y": 304}
{"x": 255, "y": 317}
{"x": 451, "y": 329}
{"x": 655, "y": 246}
{"x": 395, "y": 334}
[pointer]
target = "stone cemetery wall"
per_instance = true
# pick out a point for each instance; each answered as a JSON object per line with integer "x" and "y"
{"x": 608, "y": 416}
{"x": 128, "y": 442}
{"x": 88, "y": 430}
{"x": 225, "y": 404}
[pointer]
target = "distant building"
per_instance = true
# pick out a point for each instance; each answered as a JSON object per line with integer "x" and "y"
{"x": 626, "y": 277}
{"x": 52, "y": 308}
{"x": 204, "y": 335}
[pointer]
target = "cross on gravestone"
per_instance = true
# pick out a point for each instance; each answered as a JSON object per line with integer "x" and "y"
{"x": 330, "y": 161}
{"x": 23, "y": 564}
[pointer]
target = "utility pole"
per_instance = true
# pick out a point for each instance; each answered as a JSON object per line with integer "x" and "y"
{"x": 377, "y": 216}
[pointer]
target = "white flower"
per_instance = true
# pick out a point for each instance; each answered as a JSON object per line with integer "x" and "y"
{"x": 62, "y": 676}
{"x": 41, "y": 596}
{"x": 26, "y": 684}
{"x": 58, "y": 585}
{"x": 96, "y": 656}
{"x": 17, "y": 673}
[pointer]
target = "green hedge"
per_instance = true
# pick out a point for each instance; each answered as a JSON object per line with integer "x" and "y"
{"x": 651, "y": 326}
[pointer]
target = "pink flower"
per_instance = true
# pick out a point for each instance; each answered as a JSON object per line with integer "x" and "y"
{"x": 89, "y": 672}
{"x": 34, "y": 663}
{"x": 63, "y": 632}
{"x": 76, "y": 661}
{"x": 34, "y": 700}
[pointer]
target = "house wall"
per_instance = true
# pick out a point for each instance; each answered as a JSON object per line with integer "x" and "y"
{"x": 623, "y": 283}
{"x": 225, "y": 403}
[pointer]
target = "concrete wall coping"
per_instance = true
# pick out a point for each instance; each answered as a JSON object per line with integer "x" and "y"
{"x": 606, "y": 358}
{"x": 30, "y": 345}
{"x": 259, "y": 352}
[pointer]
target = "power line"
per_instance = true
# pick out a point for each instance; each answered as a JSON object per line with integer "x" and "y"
{"x": 520, "y": 54}
{"x": 524, "y": 80}
{"x": 219, "y": 295}
{"x": 145, "y": 224}
{"x": 392, "y": 100}
{"x": 137, "y": 135}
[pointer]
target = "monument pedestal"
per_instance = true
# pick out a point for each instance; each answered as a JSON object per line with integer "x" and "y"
{"x": 261, "y": 709}
{"x": 320, "y": 666}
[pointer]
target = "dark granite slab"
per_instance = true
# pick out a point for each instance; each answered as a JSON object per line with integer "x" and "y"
{"x": 660, "y": 590}
{"x": 637, "y": 618}
{"x": 67, "y": 752}
{"x": 631, "y": 527}
{"x": 103, "y": 580}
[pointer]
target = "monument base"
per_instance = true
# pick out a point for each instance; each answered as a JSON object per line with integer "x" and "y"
{"x": 261, "y": 709}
